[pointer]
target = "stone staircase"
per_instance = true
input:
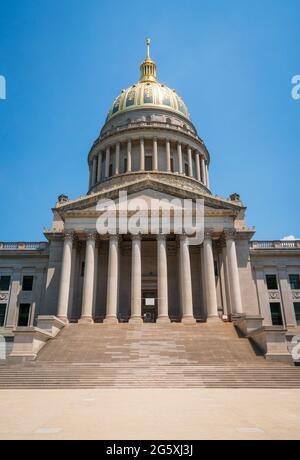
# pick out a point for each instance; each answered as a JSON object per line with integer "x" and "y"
{"x": 208, "y": 355}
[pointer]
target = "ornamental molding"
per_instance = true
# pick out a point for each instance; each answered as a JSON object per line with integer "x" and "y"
{"x": 296, "y": 295}
{"x": 274, "y": 295}
{"x": 3, "y": 297}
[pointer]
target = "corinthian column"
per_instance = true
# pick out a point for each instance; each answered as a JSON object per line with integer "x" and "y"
{"x": 233, "y": 272}
{"x": 65, "y": 278}
{"x": 112, "y": 280}
{"x": 142, "y": 154}
{"x": 162, "y": 280}
{"x": 186, "y": 281}
{"x": 89, "y": 279}
{"x": 179, "y": 153}
{"x": 210, "y": 282}
{"x": 136, "y": 280}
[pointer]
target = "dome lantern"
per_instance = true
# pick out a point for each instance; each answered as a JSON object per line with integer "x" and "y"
{"x": 148, "y": 67}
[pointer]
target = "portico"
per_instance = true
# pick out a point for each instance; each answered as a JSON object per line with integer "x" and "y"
{"x": 150, "y": 261}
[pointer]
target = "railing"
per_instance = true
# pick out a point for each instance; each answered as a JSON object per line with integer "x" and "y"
{"x": 24, "y": 246}
{"x": 277, "y": 244}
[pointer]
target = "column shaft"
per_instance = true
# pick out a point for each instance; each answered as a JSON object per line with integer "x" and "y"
{"x": 142, "y": 155}
{"x": 198, "y": 171}
{"x": 168, "y": 155}
{"x": 207, "y": 176}
{"x": 107, "y": 161}
{"x": 94, "y": 176}
{"x": 117, "y": 170}
{"x": 203, "y": 175}
{"x": 99, "y": 167}
{"x": 65, "y": 278}
{"x": 129, "y": 156}
{"x": 155, "y": 157}
{"x": 234, "y": 281}
{"x": 190, "y": 162}
{"x": 210, "y": 282}
{"x": 112, "y": 280}
{"x": 162, "y": 279}
{"x": 89, "y": 279}
{"x": 179, "y": 153}
{"x": 186, "y": 281}
{"x": 136, "y": 280}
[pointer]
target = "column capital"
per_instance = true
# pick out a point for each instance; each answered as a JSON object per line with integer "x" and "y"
{"x": 91, "y": 236}
{"x": 115, "y": 237}
{"x": 208, "y": 233}
{"x": 136, "y": 237}
{"x": 69, "y": 235}
{"x": 161, "y": 237}
{"x": 229, "y": 233}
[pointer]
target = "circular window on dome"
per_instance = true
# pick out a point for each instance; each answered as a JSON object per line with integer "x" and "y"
{"x": 116, "y": 106}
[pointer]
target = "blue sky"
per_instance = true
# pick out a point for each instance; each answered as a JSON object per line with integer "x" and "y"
{"x": 232, "y": 62}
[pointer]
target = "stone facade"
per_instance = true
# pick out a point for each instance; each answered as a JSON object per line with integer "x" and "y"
{"x": 151, "y": 152}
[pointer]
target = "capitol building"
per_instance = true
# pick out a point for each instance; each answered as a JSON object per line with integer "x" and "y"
{"x": 80, "y": 280}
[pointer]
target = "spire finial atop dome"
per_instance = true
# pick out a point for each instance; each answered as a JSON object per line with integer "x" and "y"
{"x": 148, "y": 67}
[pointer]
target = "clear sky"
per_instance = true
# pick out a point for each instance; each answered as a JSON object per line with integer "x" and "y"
{"x": 232, "y": 62}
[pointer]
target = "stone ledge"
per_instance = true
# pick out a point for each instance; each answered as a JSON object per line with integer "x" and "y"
{"x": 28, "y": 341}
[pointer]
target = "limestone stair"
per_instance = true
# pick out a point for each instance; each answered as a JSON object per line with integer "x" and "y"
{"x": 208, "y": 355}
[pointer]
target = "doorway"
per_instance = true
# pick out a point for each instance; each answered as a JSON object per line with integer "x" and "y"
{"x": 149, "y": 306}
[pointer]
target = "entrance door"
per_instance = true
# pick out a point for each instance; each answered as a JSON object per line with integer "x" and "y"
{"x": 149, "y": 308}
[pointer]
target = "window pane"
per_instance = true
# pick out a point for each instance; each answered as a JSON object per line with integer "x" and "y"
{"x": 271, "y": 282}
{"x": 27, "y": 283}
{"x": 186, "y": 169}
{"x": 4, "y": 283}
{"x": 2, "y": 313}
{"x": 24, "y": 311}
{"x": 276, "y": 314}
{"x": 294, "y": 281}
{"x": 297, "y": 312}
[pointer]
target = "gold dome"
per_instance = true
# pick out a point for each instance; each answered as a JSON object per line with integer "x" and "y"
{"x": 148, "y": 93}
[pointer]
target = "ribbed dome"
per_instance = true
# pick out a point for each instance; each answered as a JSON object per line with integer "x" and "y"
{"x": 148, "y": 93}
{"x": 142, "y": 95}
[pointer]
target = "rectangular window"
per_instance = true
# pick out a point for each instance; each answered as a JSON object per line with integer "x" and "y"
{"x": 271, "y": 281}
{"x": 294, "y": 281}
{"x": 186, "y": 169}
{"x": 110, "y": 173}
{"x": 4, "y": 283}
{"x": 125, "y": 165}
{"x": 297, "y": 312}
{"x": 276, "y": 314}
{"x": 82, "y": 269}
{"x": 2, "y": 314}
{"x": 27, "y": 283}
{"x": 148, "y": 163}
{"x": 24, "y": 313}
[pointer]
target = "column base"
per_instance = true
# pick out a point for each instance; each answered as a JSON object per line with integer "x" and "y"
{"x": 64, "y": 319}
{"x": 163, "y": 319}
{"x": 86, "y": 320}
{"x": 213, "y": 318}
{"x": 188, "y": 320}
{"x": 111, "y": 320}
{"x": 135, "y": 319}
